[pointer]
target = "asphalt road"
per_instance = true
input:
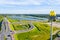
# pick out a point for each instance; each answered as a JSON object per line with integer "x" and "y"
{"x": 5, "y": 31}
{"x": 2, "y": 32}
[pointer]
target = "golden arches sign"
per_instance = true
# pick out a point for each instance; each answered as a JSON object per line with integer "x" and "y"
{"x": 52, "y": 13}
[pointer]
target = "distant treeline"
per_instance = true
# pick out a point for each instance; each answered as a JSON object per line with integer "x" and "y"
{"x": 35, "y": 15}
{"x": 41, "y": 15}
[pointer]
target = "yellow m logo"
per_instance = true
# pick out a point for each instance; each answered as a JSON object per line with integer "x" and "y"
{"x": 52, "y": 13}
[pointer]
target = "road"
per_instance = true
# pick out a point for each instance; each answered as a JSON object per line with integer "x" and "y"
{"x": 54, "y": 24}
{"x": 55, "y": 32}
{"x": 57, "y": 38}
{"x": 2, "y": 33}
{"x": 5, "y": 31}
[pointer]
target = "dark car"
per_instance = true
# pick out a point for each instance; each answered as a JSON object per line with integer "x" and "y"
{"x": 8, "y": 35}
{"x": 10, "y": 31}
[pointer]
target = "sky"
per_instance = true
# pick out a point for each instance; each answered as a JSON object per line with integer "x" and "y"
{"x": 29, "y": 6}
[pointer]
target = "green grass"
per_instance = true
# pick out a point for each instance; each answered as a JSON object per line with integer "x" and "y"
{"x": 15, "y": 36}
{"x": 40, "y": 32}
{"x": 11, "y": 27}
{"x": 20, "y": 26}
{"x": 12, "y": 20}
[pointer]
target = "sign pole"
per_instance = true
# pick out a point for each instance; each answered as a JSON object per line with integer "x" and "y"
{"x": 52, "y": 17}
{"x": 51, "y": 31}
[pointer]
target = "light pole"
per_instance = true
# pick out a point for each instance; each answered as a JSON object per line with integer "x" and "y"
{"x": 52, "y": 17}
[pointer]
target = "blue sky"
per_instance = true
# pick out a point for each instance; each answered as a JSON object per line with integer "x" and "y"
{"x": 29, "y": 6}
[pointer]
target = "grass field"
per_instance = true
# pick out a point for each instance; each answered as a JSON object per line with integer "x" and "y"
{"x": 12, "y": 20}
{"x": 41, "y": 31}
{"x": 14, "y": 25}
{"x": 20, "y": 26}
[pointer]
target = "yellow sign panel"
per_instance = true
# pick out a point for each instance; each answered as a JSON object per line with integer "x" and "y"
{"x": 52, "y": 13}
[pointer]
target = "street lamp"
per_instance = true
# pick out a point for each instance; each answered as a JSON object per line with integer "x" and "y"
{"x": 52, "y": 18}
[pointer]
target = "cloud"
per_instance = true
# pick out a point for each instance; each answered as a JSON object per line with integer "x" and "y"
{"x": 53, "y": 2}
{"x": 13, "y": 3}
{"x": 30, "y": 2}
{"x": 26, "y": 11}
{"x": 24, "y": 6}
{"x": 26, "y": 2}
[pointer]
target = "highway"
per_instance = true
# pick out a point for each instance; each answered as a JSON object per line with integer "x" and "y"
{"x": 2, "y": 33}
{"x": 5, "y": 31}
